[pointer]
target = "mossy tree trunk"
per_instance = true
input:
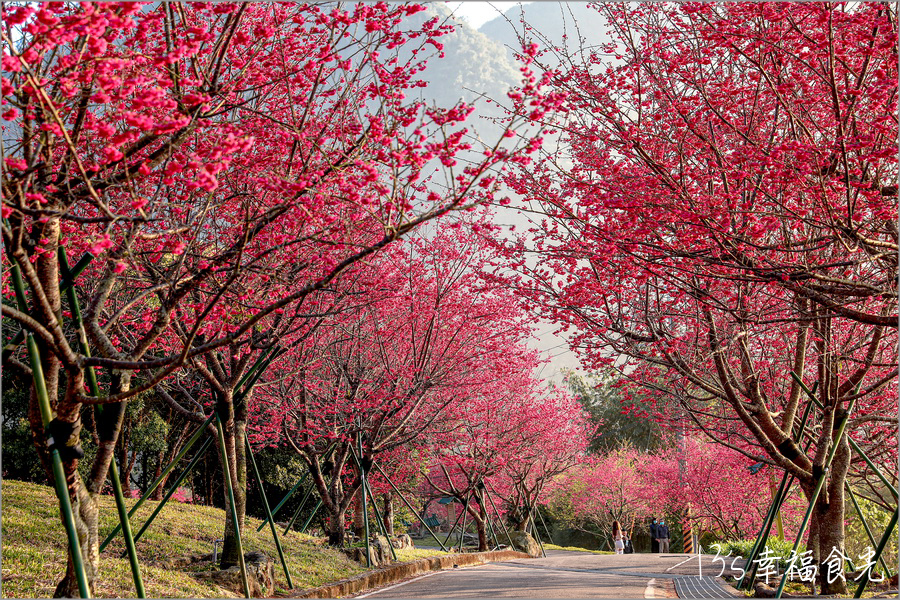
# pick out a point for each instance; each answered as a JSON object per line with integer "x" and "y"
{"x": 826, "y": 530}
{"x": 235, "y": 429}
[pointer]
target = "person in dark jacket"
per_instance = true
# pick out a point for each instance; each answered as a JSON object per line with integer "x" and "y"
{"x": 663, "y": 531}
{"x": 654, "y": 537}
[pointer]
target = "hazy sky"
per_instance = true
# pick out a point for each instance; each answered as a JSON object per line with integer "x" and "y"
{"x": 477, "y": 13}
{"x": 551, "y": 345}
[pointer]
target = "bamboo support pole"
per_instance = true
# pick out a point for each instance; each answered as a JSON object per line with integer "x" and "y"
{"x": 67, "y": 282}
{"x": 231, "y": 503}
{"x": 865, "y": 525}
{"x": 91, "y": 377}
{"x": 462, "y": 530}
{"x": 289, "y": 494}
{"x": 311, "y": 515}
{"x": 500, "y": 519}
{"x": 256, "y": 371}
{"x": 786, "y": 481}
{"x": 173, "y": 488}
{"x": 869, "y": 462}
{"x": 409, "y": 506}
{"x": 365, "y": 481}
{"x": 449, "y": 533}
{"x": 818, "y": 489}
{"x": 811, "y": 395}
{"x": 365, "y": 510}
{"x": 380, "y": 521}
{"x": 165, "y": 473}
{"x": 487, "y": 518}
{"x": 297, "y": 512}
{"x": 283, "y": 500}
{"x": 547, "y": 529}
{"x": 265, "y": 501}
{"x": 888, "y": 532}
{"x": 59, "y": 477}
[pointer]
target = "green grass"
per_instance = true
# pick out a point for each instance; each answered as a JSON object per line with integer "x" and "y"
{"x": 408, "y": 554}
{"x": 34, "y": 544}
{"x": 431, "y": 543}
{"x": 411, "y": 554}
{"x": 575, "y": 549}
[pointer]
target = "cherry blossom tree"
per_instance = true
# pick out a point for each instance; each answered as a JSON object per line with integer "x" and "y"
{"x": 178, "y": 148}
{"x": 551, "y": 439}
{"x": 603, "y": 489}
{"x": 226, "y": 379}
{"x": 376, "y": 378}
{"x": 403, "y": 467}
{"x": 513, "y": 438}
{"x": 713, "y": 485}
{"x": 707, "y": 481}
{"x": 722, "y": 213}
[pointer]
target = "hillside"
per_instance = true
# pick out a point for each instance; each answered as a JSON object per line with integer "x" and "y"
{"x": 570, "y": 24}
{"x": 478, "y": 64}
{"x": 34, "y": 548}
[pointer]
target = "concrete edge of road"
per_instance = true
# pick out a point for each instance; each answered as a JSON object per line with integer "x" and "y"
{"x": 730, "y": 589}
{"x": 660, "y": 587}
{"x": 392, "y": 573}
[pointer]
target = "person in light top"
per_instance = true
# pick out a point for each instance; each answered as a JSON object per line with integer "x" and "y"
{"x": 618, "y": 538}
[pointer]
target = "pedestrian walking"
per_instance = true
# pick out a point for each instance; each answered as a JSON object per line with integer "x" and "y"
{"x": 618, "y": 538}
{"x": 663, "y": 532}
{"x": 629, "y": 547}
{"x": 654, "y": 537}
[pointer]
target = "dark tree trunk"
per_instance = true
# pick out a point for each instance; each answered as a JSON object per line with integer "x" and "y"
{"x": 828, "y": 518}
{"x": 388, "y": 513}
{"x": 480, "y": 526}
{"x": 83, "y": 496}
{"x": 518, "y": 519}
{"x": 158, "y": 492}
{"x": 235, "y": 428}
{"x": 336, "y": 522}
{"x": 336, "y": 499}
{"x": 482, "y": 535}
{"x": 83, "y": 504}
{"x": 359, "y": 527}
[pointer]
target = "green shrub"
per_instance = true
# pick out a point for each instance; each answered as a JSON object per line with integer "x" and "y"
{"x": 742, "y": 548}
{"x": 857, "y": 542}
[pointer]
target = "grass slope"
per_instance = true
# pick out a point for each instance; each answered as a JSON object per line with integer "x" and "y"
{"x": 34, "y": 545}
{"x": 575, "y": 549}
{"x": 429, "y": 542}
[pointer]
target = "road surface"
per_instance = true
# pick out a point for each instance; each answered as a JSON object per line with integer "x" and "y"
{"x": 561, "y": 575}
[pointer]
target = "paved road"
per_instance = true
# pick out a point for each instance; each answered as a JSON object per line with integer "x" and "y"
{"x": 561, "y": 575}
